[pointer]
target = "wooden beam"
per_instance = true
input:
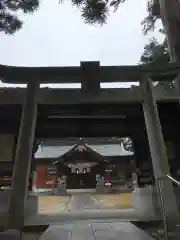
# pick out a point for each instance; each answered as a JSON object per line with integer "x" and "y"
{"x": 14, "y": 74}
{"x": 61, "y": 132}
{"x": 73, "y": 97}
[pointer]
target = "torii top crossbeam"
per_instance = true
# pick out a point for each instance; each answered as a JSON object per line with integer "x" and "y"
{"x": 14, "y": 74}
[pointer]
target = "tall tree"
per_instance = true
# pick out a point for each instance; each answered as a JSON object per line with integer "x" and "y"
{"x": 169, "y": 13}
{"x": 97, "y": 11}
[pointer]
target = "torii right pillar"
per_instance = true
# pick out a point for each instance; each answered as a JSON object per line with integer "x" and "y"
{"x": 158, "y": 152}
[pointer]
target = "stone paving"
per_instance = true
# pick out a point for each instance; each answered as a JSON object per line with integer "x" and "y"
{"x": 87, "y": 230}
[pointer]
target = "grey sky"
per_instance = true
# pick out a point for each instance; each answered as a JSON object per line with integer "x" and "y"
{"x": 57, "y": 36}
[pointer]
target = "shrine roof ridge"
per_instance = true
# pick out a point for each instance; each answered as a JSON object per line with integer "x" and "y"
{"x": 80, "y": 146}
{"x": 76, "y": 74}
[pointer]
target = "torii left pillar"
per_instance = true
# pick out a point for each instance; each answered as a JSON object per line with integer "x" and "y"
{"x": 23, "y": 158}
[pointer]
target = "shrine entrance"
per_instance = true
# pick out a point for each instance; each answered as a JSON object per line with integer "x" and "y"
{"x": 80, "y": 165}
{"x": 81, "y": 181}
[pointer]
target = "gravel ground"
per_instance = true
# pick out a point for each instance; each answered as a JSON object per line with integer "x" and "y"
{"x": 114, "y": 201}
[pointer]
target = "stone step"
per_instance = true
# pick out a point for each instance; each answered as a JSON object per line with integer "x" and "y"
{"x": 95, "y": 231}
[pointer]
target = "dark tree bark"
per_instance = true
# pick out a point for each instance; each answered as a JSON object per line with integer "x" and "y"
{"x": 170, "y": 16}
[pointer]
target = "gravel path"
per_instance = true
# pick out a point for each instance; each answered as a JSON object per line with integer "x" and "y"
{"x": 82, "y": 202}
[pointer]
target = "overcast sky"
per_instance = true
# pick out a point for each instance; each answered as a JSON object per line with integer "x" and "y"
{"x": 56, "y": 35}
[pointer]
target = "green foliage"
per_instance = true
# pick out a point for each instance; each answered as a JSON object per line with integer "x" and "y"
{"x": 96, "y": 11}
{"x": 9, "y": 22}
{"x": 149, "y": 22}
{"x": 92, "y": 11}
{"x": 157, "y": 54}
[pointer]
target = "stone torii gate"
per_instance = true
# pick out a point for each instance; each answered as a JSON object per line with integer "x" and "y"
{"x": 90, "y": 74}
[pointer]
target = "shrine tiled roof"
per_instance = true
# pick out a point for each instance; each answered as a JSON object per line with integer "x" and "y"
{"x": 102, "y": 149}
{"x": 79, "y": 153}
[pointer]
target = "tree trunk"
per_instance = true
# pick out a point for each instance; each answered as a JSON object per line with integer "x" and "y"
{"x": 170, "y": 16}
